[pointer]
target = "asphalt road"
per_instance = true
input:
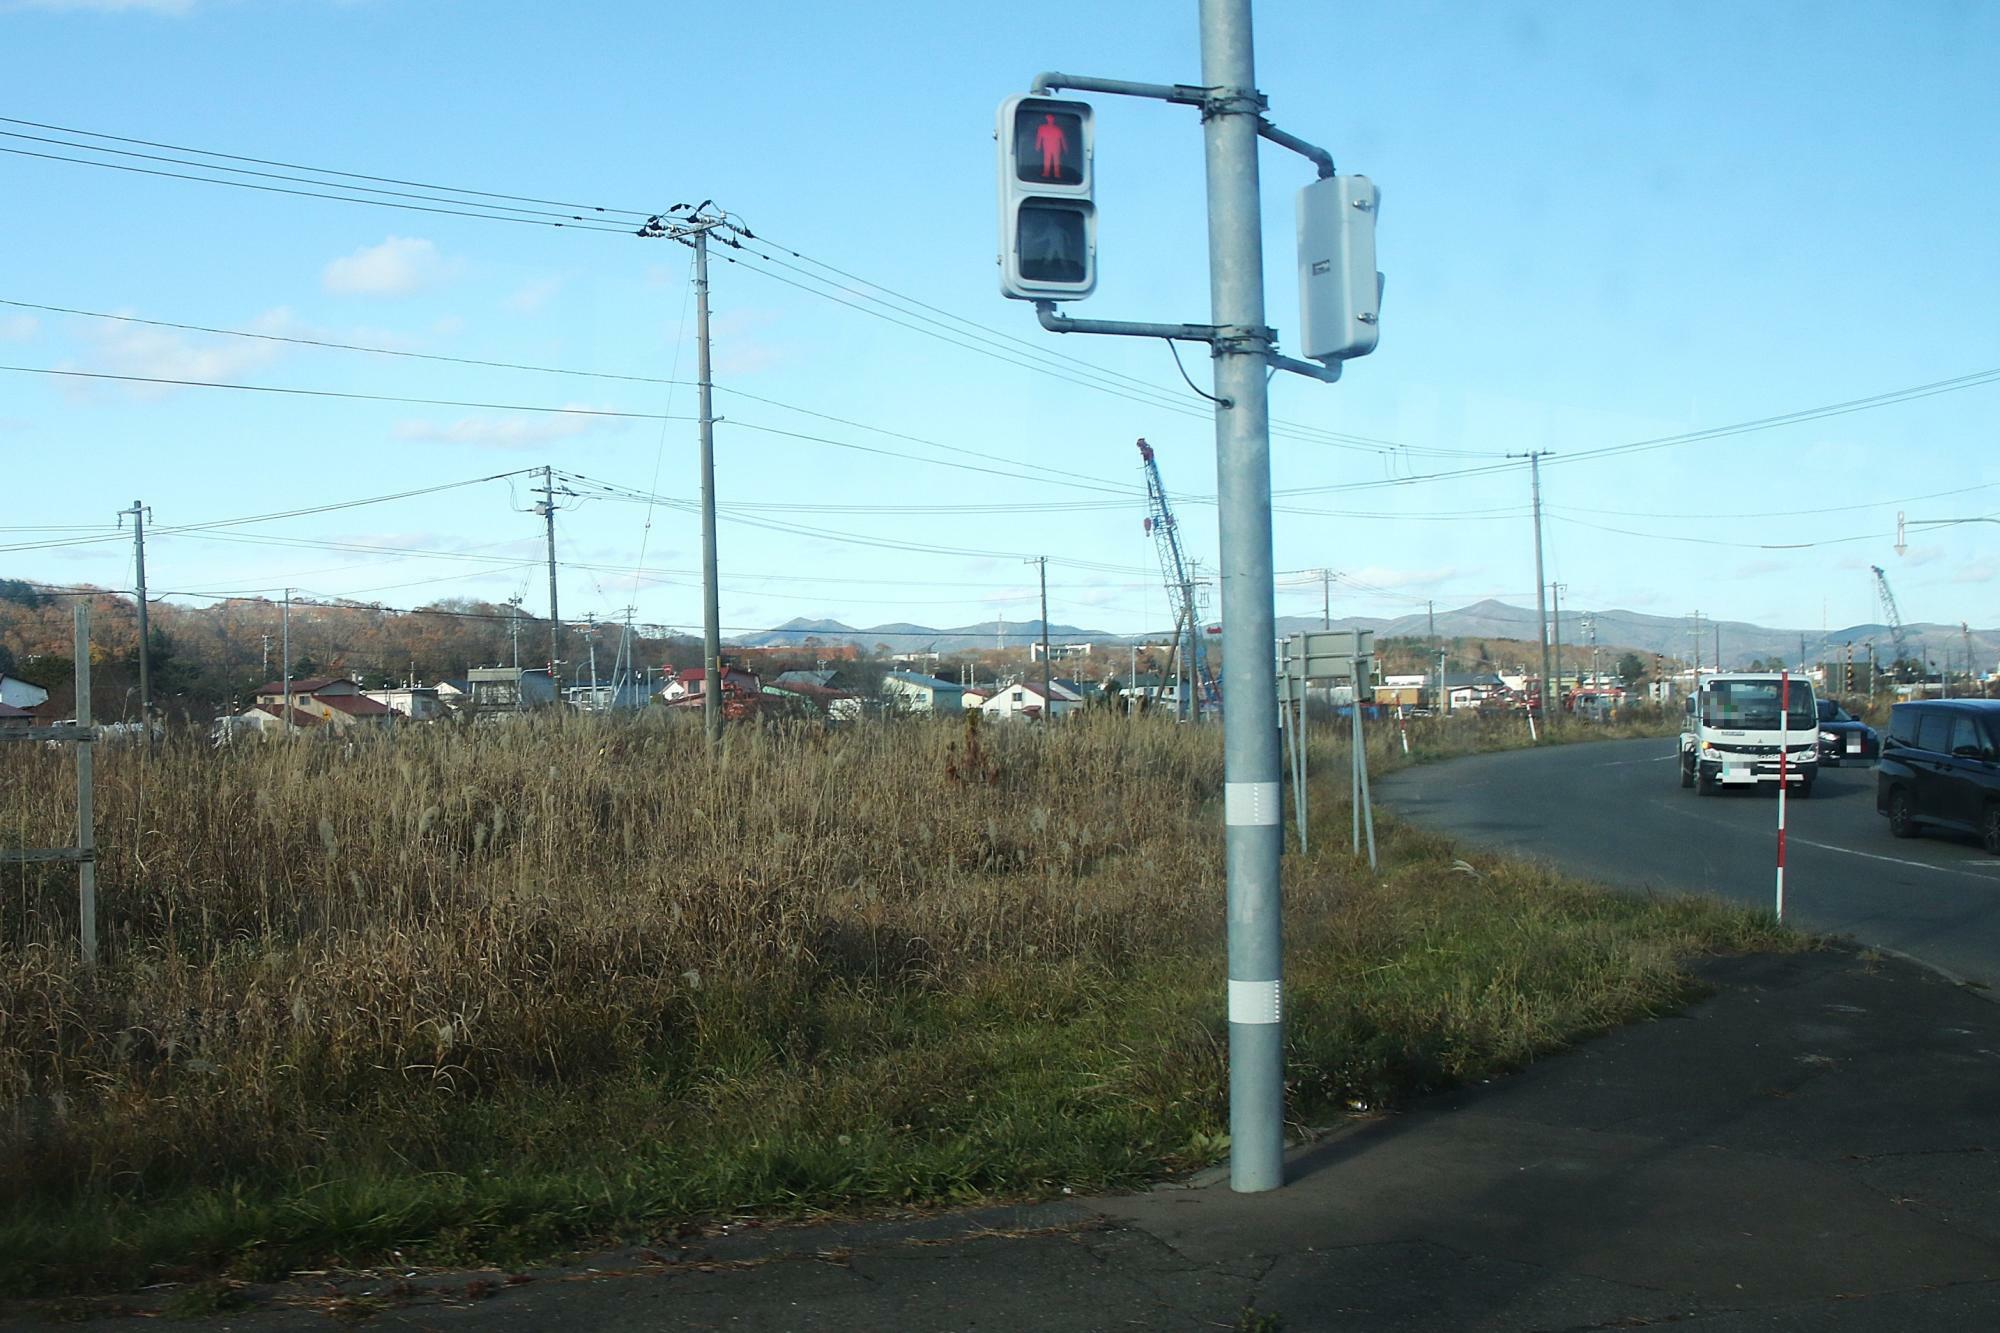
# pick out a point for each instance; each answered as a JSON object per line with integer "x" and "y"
{"x": 1615, "y": 811}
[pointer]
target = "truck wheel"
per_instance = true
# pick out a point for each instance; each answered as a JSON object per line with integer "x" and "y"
{"x": 1806, "y": 786}
{"x": 1687, "y": 770}
{"x": 1901, "y": 824}
{"x": 1989, "y": 828}
{"x": 1704, "y": 784}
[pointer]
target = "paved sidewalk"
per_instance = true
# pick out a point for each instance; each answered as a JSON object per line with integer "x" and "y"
{"x": 1816, "y": 1146}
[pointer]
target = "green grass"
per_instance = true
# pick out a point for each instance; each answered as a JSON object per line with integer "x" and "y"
{"x": 1032, "y": 1008}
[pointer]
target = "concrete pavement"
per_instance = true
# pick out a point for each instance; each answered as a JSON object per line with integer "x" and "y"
{"x": 1815, "y": 1146}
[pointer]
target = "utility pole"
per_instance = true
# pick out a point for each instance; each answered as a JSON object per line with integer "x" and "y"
{"x": 138, "y": 513}
{"x": 1556, "y": 605}
{"x": 1048, "y": 698}
{"x": 1716, "y": 627}
{"x": 286, "y": 729}
{"x": 711, "y": 596}
{"x": 1965, "y": 634}
{"x": 548, "y": 508}
{"x": 691, "y": 225}
{"x": 514, "y": 633}
{"x": 1326, "y": 599}
{"x": 265, "y": 671}
{"x": 1534, "y": 457}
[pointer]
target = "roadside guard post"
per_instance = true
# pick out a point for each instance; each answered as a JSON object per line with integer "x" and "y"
{"x": 1784, "y": 759}
{"x": 1048, "y": 253}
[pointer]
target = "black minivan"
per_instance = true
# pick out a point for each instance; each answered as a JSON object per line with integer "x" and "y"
{"x": 1941, "y": 766}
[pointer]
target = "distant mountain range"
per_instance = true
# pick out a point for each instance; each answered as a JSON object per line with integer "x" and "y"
{"x": 1672, "y": 636}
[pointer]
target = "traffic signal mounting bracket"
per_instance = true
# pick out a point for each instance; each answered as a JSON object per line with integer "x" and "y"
{"x": 1261, "y": 340}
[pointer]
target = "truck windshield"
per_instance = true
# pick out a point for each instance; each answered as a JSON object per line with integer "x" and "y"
{"x": 1752, "y": 705}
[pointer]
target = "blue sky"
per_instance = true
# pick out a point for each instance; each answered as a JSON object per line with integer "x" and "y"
{"x": 1601, "y": 224}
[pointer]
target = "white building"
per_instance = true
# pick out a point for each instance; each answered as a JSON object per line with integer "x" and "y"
{"x": 1024, "y": 699}
{"x": 18, "y": 693}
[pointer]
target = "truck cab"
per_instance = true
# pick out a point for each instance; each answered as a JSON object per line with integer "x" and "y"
{"x": 1736, "y": 724}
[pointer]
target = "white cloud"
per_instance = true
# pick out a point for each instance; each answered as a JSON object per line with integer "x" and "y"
{"x": 512, "y": 431}
{"x": 18, "y": 328}
{"x": 399, "y": 266}
{"x": 152, "y": 353}
{"x": 534, "y": 295}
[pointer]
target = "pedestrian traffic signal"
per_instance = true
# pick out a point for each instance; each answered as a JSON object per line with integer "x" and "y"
{"x": 1048, "y": 222}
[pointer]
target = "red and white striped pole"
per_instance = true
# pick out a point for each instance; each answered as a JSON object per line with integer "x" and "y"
{"x": 1784, "y": 761}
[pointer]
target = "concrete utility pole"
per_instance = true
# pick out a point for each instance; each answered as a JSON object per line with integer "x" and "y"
{"x": 1326, "y": 599}
{"x": 1534, "y": 457}
{"x": 138, "y": 513}
{"x": 1048, "y": 697}
{"x": 265, "y": 670}
{"x": 711, "y": 596}
{"x": 1556, "y": 605}
{"x": 514, "y": 634}
{"x": 691, "y": 225}
{"x": 548, "y": 508}
{"x": 286, "y": 717}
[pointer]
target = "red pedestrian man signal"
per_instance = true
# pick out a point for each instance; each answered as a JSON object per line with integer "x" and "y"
{"x": 1049, "y": 137}
{"x": 1048, "y": 223}
{"x": 1048, "y": 144}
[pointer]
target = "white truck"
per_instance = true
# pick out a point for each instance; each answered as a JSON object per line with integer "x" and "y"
{"x": 1734, "y": 729}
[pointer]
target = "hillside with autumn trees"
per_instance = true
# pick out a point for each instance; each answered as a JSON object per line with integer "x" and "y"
{"x": 208, "y": 659}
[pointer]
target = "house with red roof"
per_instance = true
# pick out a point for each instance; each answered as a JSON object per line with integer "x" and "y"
{"x": 330, "y": 700}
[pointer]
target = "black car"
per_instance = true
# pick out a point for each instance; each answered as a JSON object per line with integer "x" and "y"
{"x": 1843, "y": 736}
{"x": 1941, "y": 766}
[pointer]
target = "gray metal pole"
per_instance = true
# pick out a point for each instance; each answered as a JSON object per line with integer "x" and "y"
{"x": 285, "y": 658}
{"x": 555, "y": 611}
{"x": 1048, "y": 693}
{"x": 1556, "y": 607}
{"x": 1251, "y": 788}
{"x": 1541, "y": 599}
{"x": 86, "y": 809}
{"x": 711, "y": 598}
{"x": 138, "y": 513}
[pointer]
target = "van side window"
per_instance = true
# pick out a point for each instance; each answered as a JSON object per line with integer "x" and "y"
{"x": 1965, "y": 738}
{"x": 1935, "y": 732}
{"x": 1903, "y": 724}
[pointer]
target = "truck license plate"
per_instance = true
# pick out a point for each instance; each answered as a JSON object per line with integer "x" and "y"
{"x": 1854, "y": 745}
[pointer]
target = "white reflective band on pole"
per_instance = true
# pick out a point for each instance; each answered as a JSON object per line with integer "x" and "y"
{"x": 1256, "y": 1001}
{"x": 1245, "y": 803}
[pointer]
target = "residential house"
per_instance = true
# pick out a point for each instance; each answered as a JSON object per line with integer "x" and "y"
{"x": 814, "y": 701}
{"x": 826, "y": 678}
{"x": 689, "y": 683}
{"x": 333, "y": 700}
{"x": 15, "y": 719}
{"x": 1024, "y": 699}
{"x": 914, "y": 692}
{"x": 18, "y": 693}
{"x": 263, "y": 720}
{"x": 418, "y": 703}
{"x": 1401, "y": 691}
{"x": 509, "y": 689}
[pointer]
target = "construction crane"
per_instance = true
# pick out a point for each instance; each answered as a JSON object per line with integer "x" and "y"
{"x": 1180, "y": 588}
{"x": 1894, "y": 617}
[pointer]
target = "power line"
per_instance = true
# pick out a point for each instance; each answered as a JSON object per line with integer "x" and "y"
{"x": 319, "y": 171}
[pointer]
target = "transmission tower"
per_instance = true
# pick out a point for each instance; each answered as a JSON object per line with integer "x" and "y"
{"x": 1180, "y": 584}
{"x": 1894, "y": 617}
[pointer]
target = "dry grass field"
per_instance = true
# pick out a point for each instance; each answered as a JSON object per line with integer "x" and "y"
{"x": 483, "y": 994}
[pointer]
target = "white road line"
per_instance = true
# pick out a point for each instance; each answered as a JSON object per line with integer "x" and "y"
{"x": 1892, "y": 860}
{"x": 1627, "y": 763}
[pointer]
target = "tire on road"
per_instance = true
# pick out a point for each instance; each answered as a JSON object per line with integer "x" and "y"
{"x": 1705, "y": 784}
{"x": 1806, "y": 786}
{"x": 1989, "y": 828}
{"x": 1901, "y": 823}
{"x": 1687, "y": 769}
